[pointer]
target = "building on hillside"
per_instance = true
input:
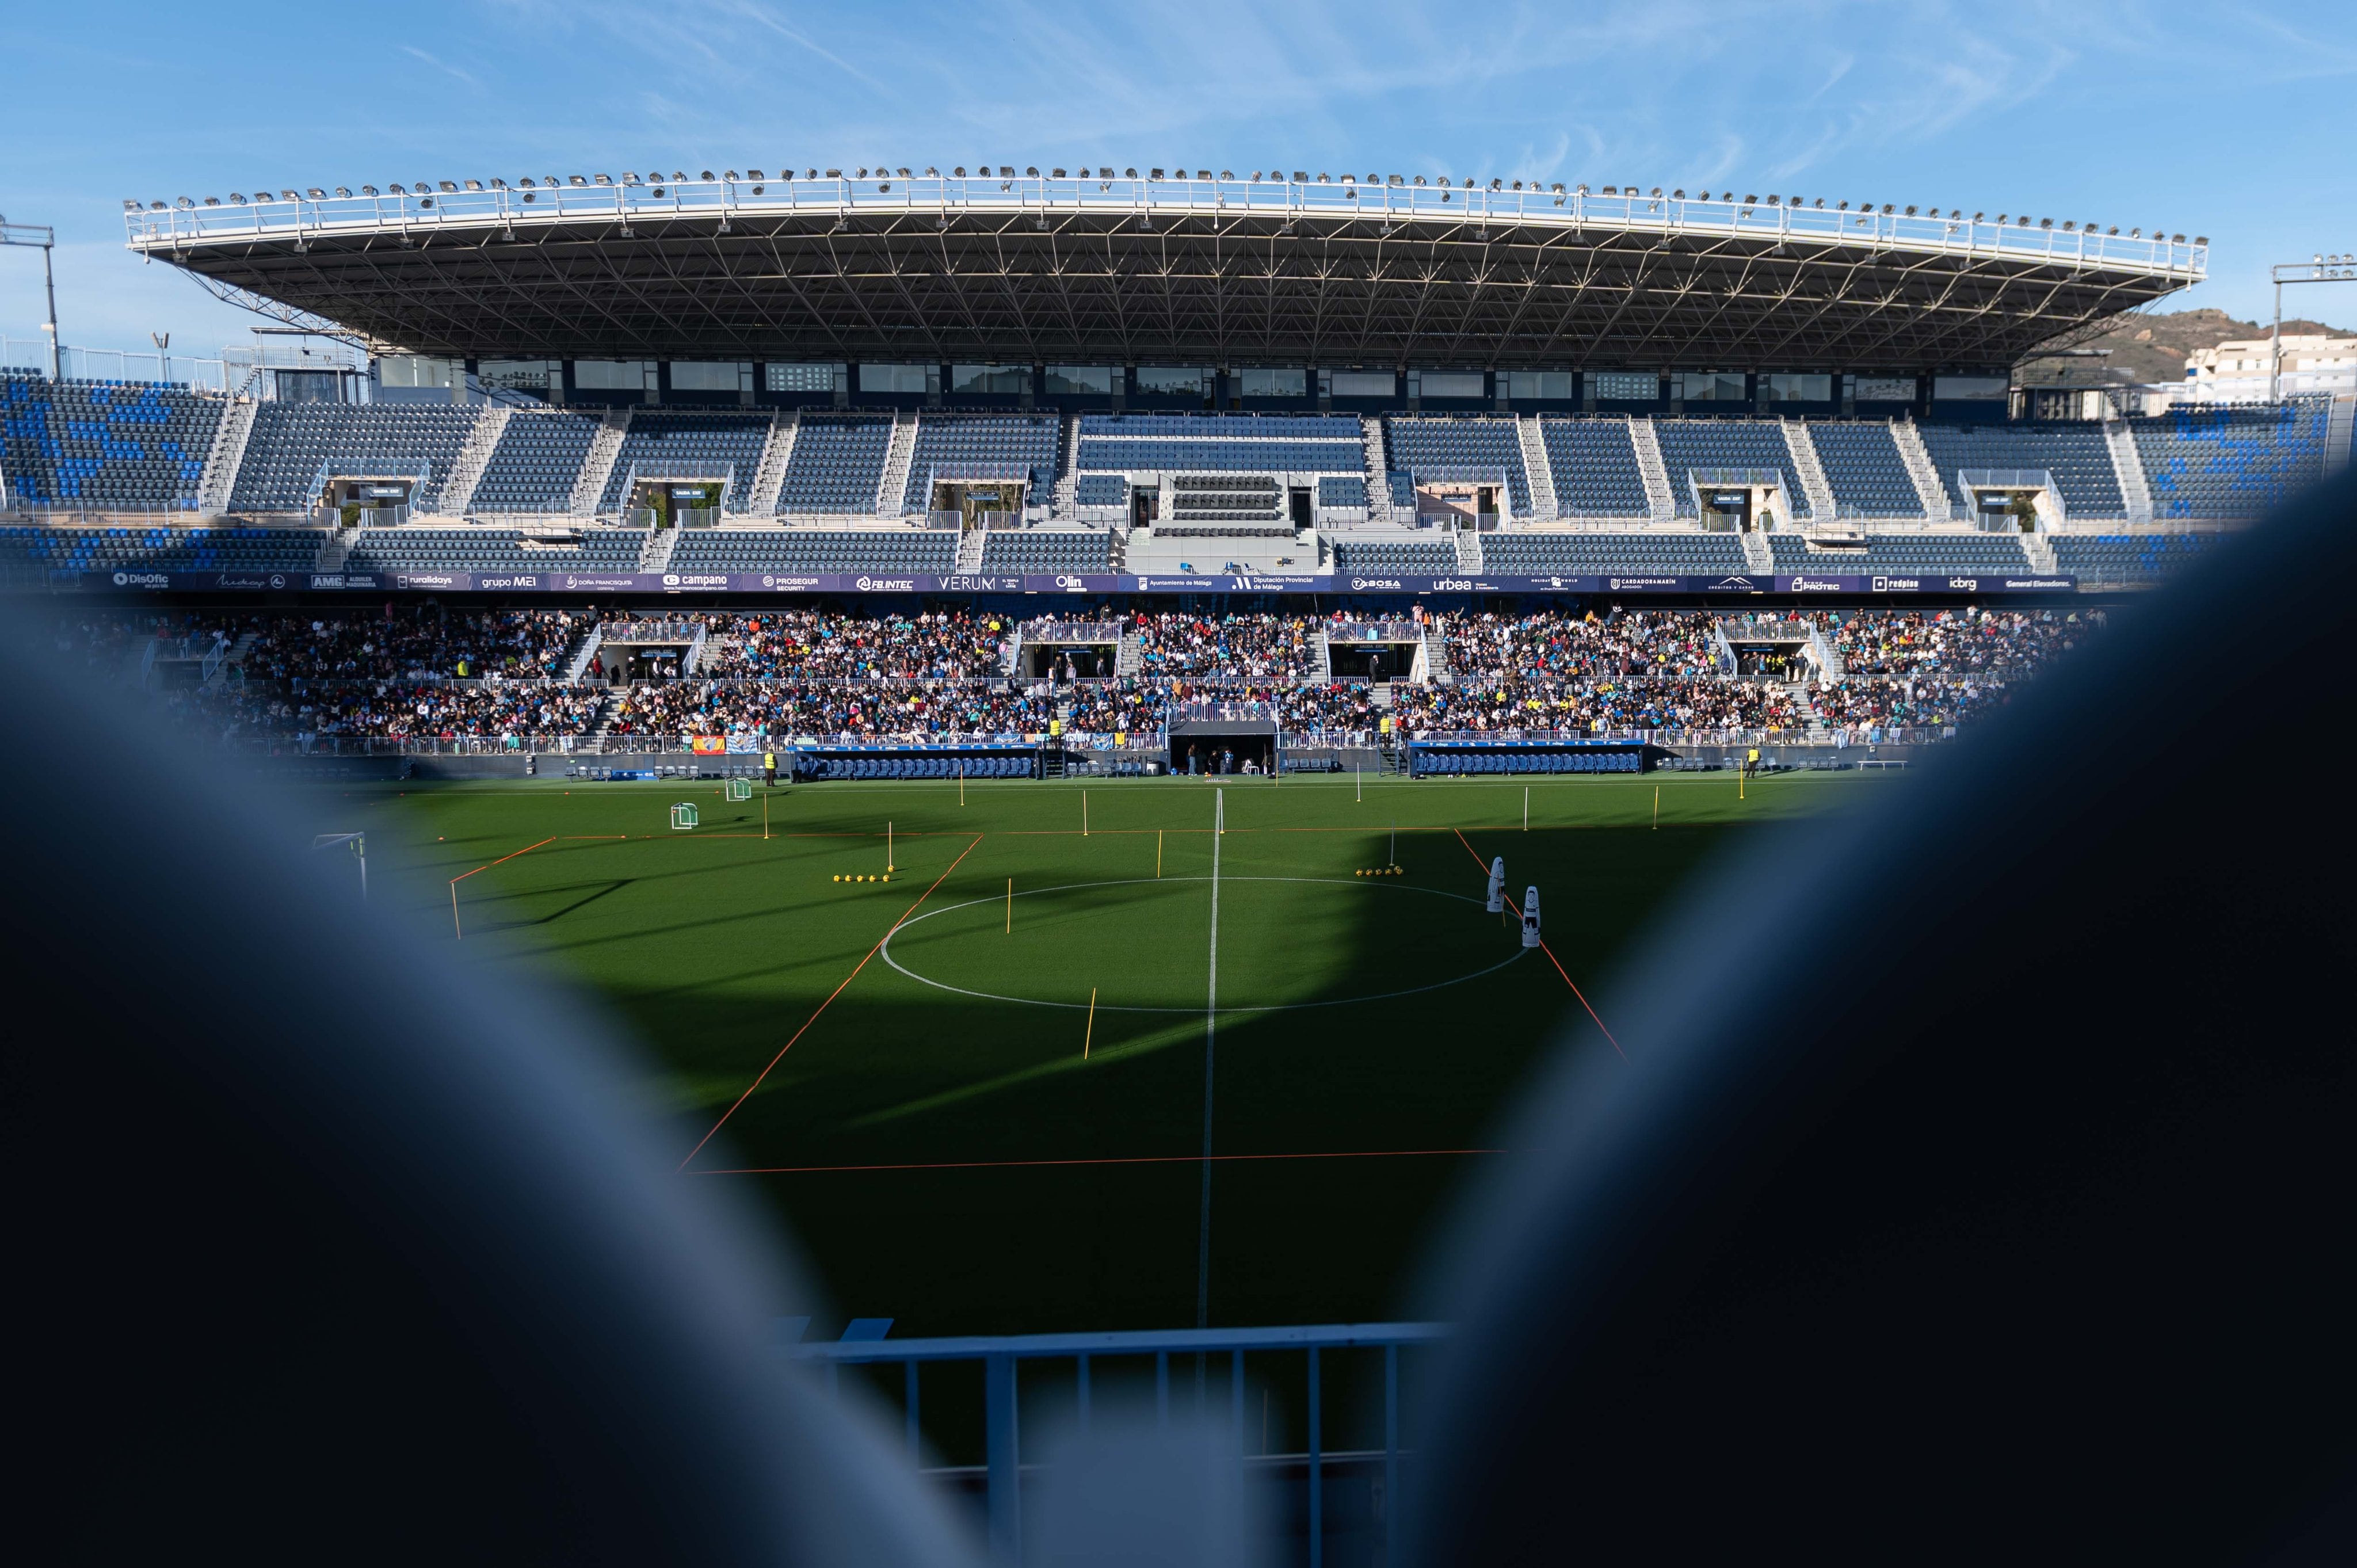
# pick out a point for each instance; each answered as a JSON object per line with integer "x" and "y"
{"x": 2239, "y": 371}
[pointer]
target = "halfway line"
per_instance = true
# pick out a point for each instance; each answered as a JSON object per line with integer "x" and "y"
{"x": 823, "y": 1005}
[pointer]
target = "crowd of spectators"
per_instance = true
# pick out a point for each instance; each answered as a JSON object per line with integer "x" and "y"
{"x": 1239, "y": 646}
{"x": 429, "y": 673}
{"x": 822, "y": 645}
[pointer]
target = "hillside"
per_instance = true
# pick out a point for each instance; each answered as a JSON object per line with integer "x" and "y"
{"x": 2154, "y": 348}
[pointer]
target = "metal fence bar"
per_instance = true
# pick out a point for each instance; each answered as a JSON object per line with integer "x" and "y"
{"x": 1004, "y": 1471}
{"x": 1317, "y": 1469}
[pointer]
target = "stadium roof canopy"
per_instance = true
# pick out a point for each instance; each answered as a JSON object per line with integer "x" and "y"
{"x": 1126, "y": 271}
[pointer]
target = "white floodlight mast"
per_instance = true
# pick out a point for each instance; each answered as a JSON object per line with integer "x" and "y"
{"x": 2318, "y": 270}
{"x": 46, "y": 237}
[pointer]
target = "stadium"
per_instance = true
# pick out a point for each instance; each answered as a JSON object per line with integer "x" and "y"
{"x": 1099, "y": 725}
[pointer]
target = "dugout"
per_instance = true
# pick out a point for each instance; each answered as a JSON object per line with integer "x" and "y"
{"x": 1452, "y": 759}
{"x": 1223, "y": 744}
{"x": 819, "y": 764}
{"x": 366, "y": 501}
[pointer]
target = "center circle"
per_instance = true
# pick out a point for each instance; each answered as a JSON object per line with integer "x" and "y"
{"x": 1142, "y": 955}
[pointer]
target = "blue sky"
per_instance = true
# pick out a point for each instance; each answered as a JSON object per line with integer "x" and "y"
{"x": 2219, "y": 119}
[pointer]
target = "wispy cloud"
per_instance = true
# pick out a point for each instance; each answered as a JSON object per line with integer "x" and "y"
{"x": 443, "y": 66}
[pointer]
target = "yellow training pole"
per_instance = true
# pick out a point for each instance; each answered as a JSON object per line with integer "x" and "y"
{"x": 765, "y": 816}
{"x": 1657, "y": 807}
{"x": 1526, "y": 808}
{"x": 1157, "y": 852}
{"x": 1084, "y": 813}
{"x": 961, "y": 783}
{"x": 1010, "y": 906}
{"x": 1091, "y": 1034}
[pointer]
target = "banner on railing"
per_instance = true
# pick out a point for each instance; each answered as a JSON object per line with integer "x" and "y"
{"x": 1096, "y": 584}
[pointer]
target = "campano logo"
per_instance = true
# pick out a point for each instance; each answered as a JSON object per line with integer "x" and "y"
{"x": 671, "y": 579}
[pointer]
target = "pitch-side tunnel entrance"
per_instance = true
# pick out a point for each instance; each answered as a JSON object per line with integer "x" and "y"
{"x": 1223, "y": 747}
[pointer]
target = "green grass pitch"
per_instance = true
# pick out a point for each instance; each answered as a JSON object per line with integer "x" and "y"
{"x": 957, "y": 1140}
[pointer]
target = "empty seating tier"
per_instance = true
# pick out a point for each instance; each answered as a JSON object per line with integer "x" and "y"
{"x": 690, "y": 446}
{"x": 2231, "y": 462}
{"x": 1027, "y": 441}
{"x": 105, "y": 444}
{"x": 1432, "y": 447}
{"x": 2128, "y": 557}
{"x": 1342, "y": 489}
{"x": 1864, "y": 470}
{"x": 1606, "y": 554}
{"x": 836, "y": 465}
{"x": 1911, "y": 554}
{"x": 398, "y": 550}
{"x": 291, "y": 441}
{"x": 2075, "y": 455}
{"x": 1688, "y": 445}
{"x": 161, "y": 548}
{"x": 1595, "y": 466}
{"x": 535, "y": 465}
{"x": 1238, "y": 500}
{"x": 1041, "y": 550}
{"x": 1420, "y": 556}
{"x": 1263, "y": 443}
{"x": 815, "y": 550}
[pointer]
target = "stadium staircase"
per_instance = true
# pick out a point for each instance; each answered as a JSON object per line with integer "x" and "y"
{"x": 1757, "y": 554}
{"x": 891, "y": 490}
{"x": 336, "y": 548}
{"x": 1541, "y": 473}
{"x": 2339, "y": 427}
{"x": 770, "y": 478}
{"x": 1468, "y": 551}
{"x": 1661, "y": 502}
{"x": 1810, "y": 472}
{"x": 230, "y": 433}
{"x": 1928, "y": 487}
{"x": 1324, "y": 667}
{"x": 2039, "y": 549}
{"x": 597, "y": 465}
{"x": 970, "y": 548}
{"x": 1431, "y": 665}
{"x": 2128, "y": 464}
{"x": 578, "y": 667}
{"x": 1066, "y": 500}
{"x": 656, "y": 555}
{"x": 467, "y": 472}
{"x": 1010, "y": 663}
{"x": 1379, "y": 482}
{"x": 218, "y": 670}
{"x": 1128, "y": 658}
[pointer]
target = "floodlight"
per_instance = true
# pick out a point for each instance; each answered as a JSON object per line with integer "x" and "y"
{"x": 1227, "y": 174}
{"x": 2179, "y": 239}
{"x": 1778, "y": 200}
{"x": 1029, "y": 172}
{"x": 1495, "y": 185}
{"x": 959, "y": 171}
{"x": 236, "y": 197}
{"x": 370, "y": 190}
{"x": 1843, "y": 208}
{"x": 395, "y": 187}
{"x": 1419, "y": 179}
{"x": 856, "y": 174}
{"x": 1106, "y": 174}
{"x": 1558, "y": 188}
{"x": 1005, "y": 171}
{"x": 930, "y": 173}
{"x": 2068, "y": 225}
{"x": 1749, "y": 200}
{"x": 2135, "y": 234}
{"x": 314, "y": 193}
{"x": 453, "y": 190}
{"x": 755, "y": 174}
{"x": 1055, "y": 173}
{"x": 1129, "y": 174}
{"x": 1583, "y": 190}
{"x": 901, "y": 172}
{"x": 807, "y": 174}
{"x": 706, "y": 175}
{"x": 1299, "y": 177}
{"x": 1154, "y": 173}
{"x": 288, "y": 196}
{"x": 835, "y": 174}
{"x": 576, "y": 179}
{"x": 1886, "y": 210}
{"x": 1820, "y": 204}
{"x": 2046, "y": 222}
{"x": 156, "y": 206}
{"x": 129, "y": 205}
{"x": 212, "y": 202}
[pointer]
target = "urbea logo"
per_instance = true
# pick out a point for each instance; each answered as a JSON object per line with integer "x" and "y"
{"x": 1452, "y": 584}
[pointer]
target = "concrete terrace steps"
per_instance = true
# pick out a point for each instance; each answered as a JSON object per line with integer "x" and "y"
{"x": 597, "y": 464}
{"x": 1661, "y": 502}
{"x": 467, "y": 472}
{"x": 770, "y": 478}
{"x": 230, "y": 433}
{"x": 1539, "y": 472}
{"x": 1929, "y": 489}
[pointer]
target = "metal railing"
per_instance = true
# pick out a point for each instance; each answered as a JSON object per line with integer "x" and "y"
{"x": 158, "y": 226}
{"x": 1002, "y": 1361}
